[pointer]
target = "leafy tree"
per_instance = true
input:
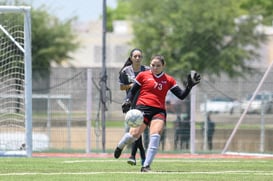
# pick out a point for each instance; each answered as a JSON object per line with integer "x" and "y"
{"x": 260, "y": 7}
{"x": 52, "y": 40}
{"x": 196, "y": 34}
{"x": 121, "y": 12}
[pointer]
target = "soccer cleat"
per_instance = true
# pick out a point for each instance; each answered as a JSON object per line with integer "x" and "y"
{"x": 145, "y": 169}
{"x": 117, "y": 152}
{"x": 131, "y": 161}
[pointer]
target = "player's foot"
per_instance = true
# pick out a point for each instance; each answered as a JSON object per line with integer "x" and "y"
{"x": 131, "y": 161}
{"x": 117, "y": 152}
{"x": 145, "y": 169}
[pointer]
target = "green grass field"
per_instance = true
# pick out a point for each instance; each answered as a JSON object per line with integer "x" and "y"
{"x": 105, "y": 169}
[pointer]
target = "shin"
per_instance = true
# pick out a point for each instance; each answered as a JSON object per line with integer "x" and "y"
{"x": 126, "y": 140}
{"x": 152, "y": 149}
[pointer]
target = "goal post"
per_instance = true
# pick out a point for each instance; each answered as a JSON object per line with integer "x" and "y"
{"x": 243, "y": 115}
{"x": 15, "y": 79}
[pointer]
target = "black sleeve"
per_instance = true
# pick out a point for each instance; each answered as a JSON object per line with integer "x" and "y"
{"x": 133, "y": 91}
{"x": 123, "y": 78}
{"x": 181, "y": 94}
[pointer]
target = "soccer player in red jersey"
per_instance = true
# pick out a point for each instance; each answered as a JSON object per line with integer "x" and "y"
{"x": 153, "y": 85}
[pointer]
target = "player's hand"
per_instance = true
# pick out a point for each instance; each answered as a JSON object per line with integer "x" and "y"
{"x": 126, "y": 106}
{"x": 193, "y": 79}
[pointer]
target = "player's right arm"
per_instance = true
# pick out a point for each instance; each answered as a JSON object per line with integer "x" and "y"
{"x": 123, "y": 80}
{"x": 133, "y": 91}
{"x": 126, "y": 87}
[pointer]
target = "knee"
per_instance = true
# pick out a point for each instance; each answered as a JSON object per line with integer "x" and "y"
{"x": 135, "y": 135}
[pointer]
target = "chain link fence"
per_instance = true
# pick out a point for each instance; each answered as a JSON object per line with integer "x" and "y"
{"x": 60, "y": 109}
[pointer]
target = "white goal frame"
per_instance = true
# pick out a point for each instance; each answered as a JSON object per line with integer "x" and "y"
{"x": 246, "y": 110}
{"x": 26, "y": 50}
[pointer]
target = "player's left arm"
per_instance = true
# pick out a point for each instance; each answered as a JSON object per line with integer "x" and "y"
{"x": 180, "y": 93}
{"x": 192, "y": 80}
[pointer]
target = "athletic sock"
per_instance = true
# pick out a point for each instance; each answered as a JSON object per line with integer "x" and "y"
{"x": 152, "y": 149}
{"x": 125, "y": 140}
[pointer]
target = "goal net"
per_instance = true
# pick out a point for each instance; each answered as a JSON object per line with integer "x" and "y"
{"x": 15, "y": 81}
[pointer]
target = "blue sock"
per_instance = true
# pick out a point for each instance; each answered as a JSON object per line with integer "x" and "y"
{"x": 152, "y": 149}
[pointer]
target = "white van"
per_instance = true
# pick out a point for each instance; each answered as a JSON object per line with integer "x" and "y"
{"x": 262, "y": 101}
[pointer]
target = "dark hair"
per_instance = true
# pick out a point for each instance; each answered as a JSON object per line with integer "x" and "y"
{"x": 159, "y": 57}
{"x": 129, "y": 61}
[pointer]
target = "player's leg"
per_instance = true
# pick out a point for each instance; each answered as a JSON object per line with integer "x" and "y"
{"x": 175, "y": 140}
{"x": 125, "y": 140}
{"x": 146, "y": 138}
{"x": 162, "y": 139}
{"x": 156, "y": 127}
{"x": 210, "y": 142}
{"x": 181, "y": 139}
{"x": 129, "y": 138}
{"x": 137, "y": 145}
{"x": 132, "y": 158}
{"x": 141, "y": 150}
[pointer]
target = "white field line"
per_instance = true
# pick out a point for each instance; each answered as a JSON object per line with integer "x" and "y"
{"x": 231, "y": 172}
{"x": 262, "y": 155}
{"x": 168, "y": 160}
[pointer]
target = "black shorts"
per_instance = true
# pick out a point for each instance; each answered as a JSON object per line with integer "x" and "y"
{"x": 151, "y": 113}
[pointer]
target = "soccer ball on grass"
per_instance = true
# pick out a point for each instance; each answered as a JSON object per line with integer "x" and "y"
{"x": 134, "y": 118}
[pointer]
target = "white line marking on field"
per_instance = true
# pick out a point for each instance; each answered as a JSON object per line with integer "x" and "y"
{"x": 165, "y": 173}
{"x": 165, "y": 160}
{"x": 250, "y": 154}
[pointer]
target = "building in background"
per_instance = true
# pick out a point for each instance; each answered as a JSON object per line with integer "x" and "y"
{"x": 90, "y": 52}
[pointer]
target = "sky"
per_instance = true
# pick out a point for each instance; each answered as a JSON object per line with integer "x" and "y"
{"x": 85, "y": 10}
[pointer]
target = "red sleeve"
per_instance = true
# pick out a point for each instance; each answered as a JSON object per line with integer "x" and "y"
{"x": 139, "y": 78}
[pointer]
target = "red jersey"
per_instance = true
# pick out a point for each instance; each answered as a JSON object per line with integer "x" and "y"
{"x": 153, "y": 88}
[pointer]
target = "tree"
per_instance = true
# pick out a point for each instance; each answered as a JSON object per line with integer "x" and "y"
{"x": 121, "y": 12}
{"x": 260, "y": 7}
{"x": 52, "y": 40}
{"x": 196, "y": 34}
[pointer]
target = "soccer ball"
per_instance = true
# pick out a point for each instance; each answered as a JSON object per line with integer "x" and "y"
{"x": 134, "y": 118}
